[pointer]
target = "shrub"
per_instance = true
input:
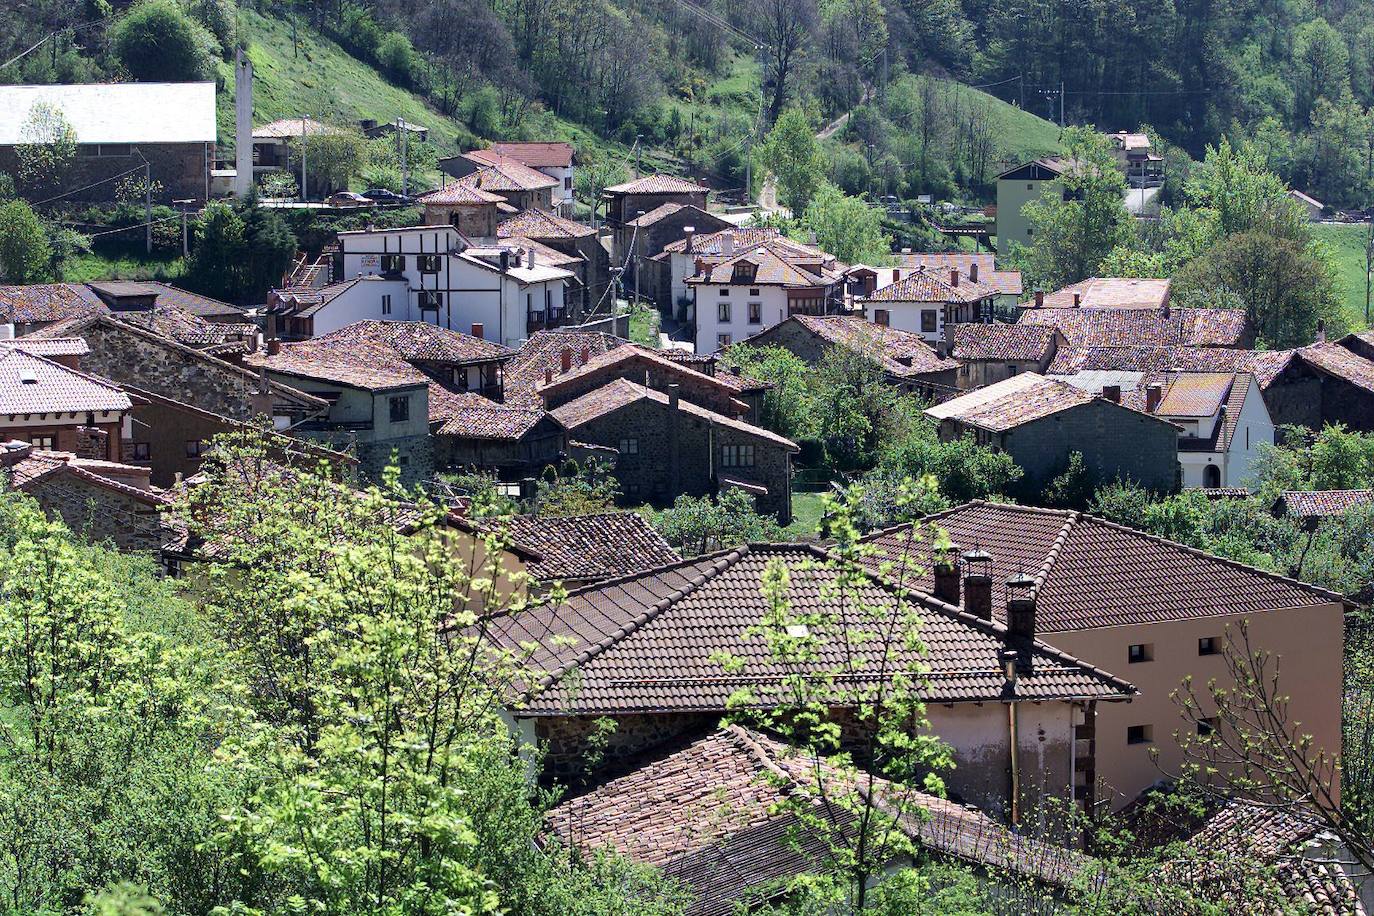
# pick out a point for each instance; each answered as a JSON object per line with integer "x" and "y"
{"x": 157, "y": 41}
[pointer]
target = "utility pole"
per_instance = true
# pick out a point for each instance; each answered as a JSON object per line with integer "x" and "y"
{"x": 304, "y": 193}
{"x": 405, "y": 161}
{"x": 1061, "y": 106}
{"x": 148, "y": 205}
{"x": 185, "y": 232}
{"x": 639, "y": 138}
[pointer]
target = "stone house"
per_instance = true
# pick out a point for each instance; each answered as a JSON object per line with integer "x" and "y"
{"x": 651, "y": 233}
{"x": 975, "y": 268}
{"x": 638, "y": 364}
{"x": 1159, "y": 612}
{"x": 1015, "y": 712}
{"x": 924, "y": 302}
{"x": 589, "y": 262}
{"x": 119, "y": 127}
{"x": 666, "y": 271}
{"x": 54, "y": 406}
{"x": 273, "y": 152}
{"x": 1133, "y": 326}
{"x": 667, "y": 446}
{"x": 27, "y": 309}
{"x": 989, "y": 353}
{"x": 467, "y": 208}
{"x": 520, "y": 186}
{"x": 555, "y": 159}
{"x": 1039, "y": 422}
{"x": 630, "y": 200}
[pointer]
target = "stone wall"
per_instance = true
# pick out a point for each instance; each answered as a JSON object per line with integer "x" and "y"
{"x": 1116, "y": 444}
{"x": 181, "y": 168}
{"x": 568, "y": 747}
{"x": 473, "y": 221}
{"x": 98, "y": 513}
{"x": 167, "y": 431}
{"x": 414, "y": 457}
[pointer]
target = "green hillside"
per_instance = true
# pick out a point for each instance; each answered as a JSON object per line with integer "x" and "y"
{"x": 1023, "y": 135}
{"x": 1346, "y": 244}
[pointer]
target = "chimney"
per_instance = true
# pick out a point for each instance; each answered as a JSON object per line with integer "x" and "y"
{"x": 1039, "y": 298}
{"x": 13, "y": 452}
{"x": 700, "y": 266}
{"x": 1166, "y": 309}
{"x": 273, "y": 346}
{"x": 1112, "y": 393}
{"x": 978, "y": 584}
{"x": 973, "y": 272}
{"x": 262, "y": 399}
{"x": 92, "y": 443}
{"x": 1021, "y": 607}
{"x": 954, "y": 276}
{"x": 1008, "y": 658}
{"x": 478, "y": 331}
{"x": 566, "y": 359}
{"x": 896, "y": 274}
{"x": 585, "y": 355}
{"x": 947, "y": 575}
{"x": 727, "y": 243}
{"x": 548, "y": 376}
{"x": 674, "y": 460}
{"x": 1077, "y": 299}
{"x": 689, "y": 233}
{"x": 1321, "y": 330}
{"x": 1153, "y": 395}
{"x": 243, "y": 124}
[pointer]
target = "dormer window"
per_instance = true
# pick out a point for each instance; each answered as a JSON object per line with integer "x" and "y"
{"x": 744, "y": 272}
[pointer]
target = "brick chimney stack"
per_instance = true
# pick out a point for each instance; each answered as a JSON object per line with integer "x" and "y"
{"x": 947, "y": 575}
{"x": 1077, "y": 299}
{"x": 689, "y": 233}
{"x": 478, "y": 330}
{"x": 92, "y": 443}
{"x": 566, "y": 359}
{"x": 1039, "y": 298}
{"x": 978, "y": 584}
{"x": 896, "y": 274}
{"x": 954, "y": 276}
{"x": 548, "y": 376}
{"x": 585, "y": 355}
{"x": 1153, "y": 395}
{"x": 973, "y": 272}
{"x": 1112, "y": 393}
{"x": 1021, "y": 607}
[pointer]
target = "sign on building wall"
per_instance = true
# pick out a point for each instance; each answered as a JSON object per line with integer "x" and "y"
{"x": 371, "y": 262}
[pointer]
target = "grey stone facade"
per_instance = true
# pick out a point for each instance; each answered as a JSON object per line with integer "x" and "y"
{"x": 183, "y": 170}
{"x": 99, "y": 513}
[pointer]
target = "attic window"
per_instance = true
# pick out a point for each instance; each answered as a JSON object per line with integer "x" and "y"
{"x": 745, "y": 271}
{"x": 798, "y": 630}
{"x": 28, "y": 377}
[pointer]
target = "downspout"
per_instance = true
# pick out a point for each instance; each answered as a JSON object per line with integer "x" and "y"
{"x": 1009, "y": 673}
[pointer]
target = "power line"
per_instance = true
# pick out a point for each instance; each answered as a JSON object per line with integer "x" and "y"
{"x": 51, "y": 35}
{"x": 138, "y": 168}
{"x": 155, "y": 222}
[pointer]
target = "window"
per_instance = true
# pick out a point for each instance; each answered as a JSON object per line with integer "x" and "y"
{"x": 1211, "y": 476}
{"x": 386, "y": 304}
{"x": 1139, "y": 734}
{"x": 196, "y": 447}
{"x": 723, "y": 341}
{"x": 142, "y": 452}
{"x": 459, "y": 378}
{"x": 882, "y": 317}
{"x": 737, "y": 456}
{"x": 753, "y": 291}
{"x": 930, "y": 320}
{"x": 1011, "y": 369}
{"x": 431, "y": 301}
{"x": 427, "y": 263}
{"x": 756, "y": 313}
{"x": 1030, "y": 186}
{"x": 567, "y": 182}
{"x": 42, "y": 441}
{"x": 1140, "y": 652}
{"x": 393, "y": 263}
{"x": 629, "y": 446}
{"x": 724, "y": 291}
{"x": 400, "y": 408}
{"x": 1208, "y": 645}
{"x": 723, "y": 312}
{"x": 1207, "y": 726}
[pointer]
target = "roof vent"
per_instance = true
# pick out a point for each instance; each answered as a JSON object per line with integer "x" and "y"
{"x": 798, "y": 630}
{"x": 27, "y": 376}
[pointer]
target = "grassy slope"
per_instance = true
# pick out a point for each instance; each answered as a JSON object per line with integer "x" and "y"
{"x": 1346, "y": 244}
{"x": 1023, "y": 135}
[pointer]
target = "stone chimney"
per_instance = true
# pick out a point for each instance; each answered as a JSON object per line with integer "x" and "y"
{"x": 1166, "y": 310}
{"x": 1112, "y": 393}
{"x": 92, "y": 443}
{"x": 1077, "y": 299}
{"x": 727, "y": 243}
{"x": 689, "y": 233}
{"x": 947, "y": 575}
{"x": 478, "y": 331}
{"x": 954, "y": 276}
{"x": 548, "y": 376}
{"x": 978, "y": 584}
{"x": 1153, "y": 395}
{"x": 973, "y": 272}
{"x": 273, "y": 346}
{"x": 700, "y": 266}
{"x": 565, "y": 360}
{"x": 1021, "y": 607}
{"x": 1039, "y": 298}
{"x": 585, "y": 355}
{"x": 262, "y": 398}
{"x": 1321, "y": 331}
{"x": 896, "y": 274}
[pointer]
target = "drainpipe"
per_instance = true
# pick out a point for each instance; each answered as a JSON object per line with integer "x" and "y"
{"x": 1009, "y": 673}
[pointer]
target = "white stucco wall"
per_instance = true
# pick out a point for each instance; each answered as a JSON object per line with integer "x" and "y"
{"x": 906, "y": 316}
{"x": 772, "y": 310}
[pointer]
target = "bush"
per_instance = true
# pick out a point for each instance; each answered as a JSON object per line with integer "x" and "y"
{"x": 25, "y": 254}
{"x": 157, "y": 41}
{"x": 396, "y": 57}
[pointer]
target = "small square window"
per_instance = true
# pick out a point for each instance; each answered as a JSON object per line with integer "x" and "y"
{"x": 723, "y": 312}
{"x": 753, "y": 290}
{"x": 1140, "y": 652}
{"x": 400, "y": 408}
{"x": 431, "y": 301}
{"x": 42, "y": 441}
{"x": 196, "y": 447}
{"x": 756, "y": 313}
{"x": 428, "y": 263}
{"x": 882, "y": 317}
{"x": 929, "y": 321}
{"x": 386, "y": 304}
{"x": 393, "y": 263}
{"x": 1208, "y": 645}
{"x": 1140, "y": 734}
{"x": 142, "y": 451}
{"x": 629, "y": 446}
{"x": 1207, "y": 726}
{"x": 723, "y": 341}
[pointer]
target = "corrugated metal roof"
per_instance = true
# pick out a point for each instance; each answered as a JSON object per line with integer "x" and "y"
{"x": 117, "y": 112}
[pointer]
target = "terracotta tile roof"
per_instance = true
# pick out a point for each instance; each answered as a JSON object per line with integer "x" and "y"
{"x": 651, "y": 642}
{"x": 540, "y": 224}
{"x": 618, "y": 394}
{"x": 46, "y": 302}
{"x": 1195, "y": 394}
{"x": 1131, "y": 327}
{"x": 1334, "y": 359}
{"x": 901, "y": 353}
{"x": 713, "y": 815}
{"x": 1322, "y": 503}
{"x": 458, "y": 194}
{"x": 27, "y": 466}
{"x": 49, "y": 346}
{"x": 929, "y": 286}
{"x": 712, "y": 244}
{"x": 501, "y": 173}
{"x": 1291, "y": 842}
{"x": 30, "y": 384}
{"x": 192, "y": 330}
{"x": 195, "y": 303}
{"x": 1005, "y": 282}
{"x": 1010, "y": 403}
{"x": 1264, "y": 365}
{"x": 546, "y": 256}
{"x": 1091, "y": 573}
{"x": 1002, "y": 342}
{"x": 662, "y": 211}
{"x": 536, "y": 154}
{"x": 416, "y": 341}
{"x": 658, "y": 184}
{"x": 1110, "y": 292}
{"x": 287, "y": 128}
{"x": 524, "y": 374}
{"x": 580, "y": 549}
{"x": 774, "y": 265}
{"x": 470, "y": 416}
{"x": 615, "y": 359}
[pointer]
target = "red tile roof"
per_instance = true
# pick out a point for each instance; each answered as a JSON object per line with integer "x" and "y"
{"x": 1334, "y": 359}
{"x": 524, "y": 374}
{"x": 540, "y": 224}
{"x": 1091, "y": 573}
{"x": 471, "y": 416}
{"x": 192, "y": 330}
{"x": 773, "y": 265}
{"x": 1011, "y": 402}
{"x": 536, "y": 154}
{"x": 580, "y": 549}
{"x": 417, "y": 341}
{"x": 652, "y": 642}
{"x": 1110, "y": 292}
{"x": 658, "y": 184}
{"x": 459, "y": 194}
{"x": 1132, "y": 327}
{"x": 929, "y": 286}
{"x": 1322, "y": 503}
{"x": 999, "y": 341}
{"x": 49, "y": 346}
{"x": 712, "y": 244}
{"x": 901, "y": 353}
{"x": 47, "y": 302}
{"x": 615, "y": 360}
{"x": 27, "y": 466}
{"x": 501, "y": 173}
{"x": 30, "y": 384}
{"x": 714, "y": 815}
{"x": 1264, "y": 365}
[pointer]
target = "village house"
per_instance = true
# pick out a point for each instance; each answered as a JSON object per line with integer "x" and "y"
{"x": 747, "y": 290}
{"x": 273, "y": 152}
{"x": 195, "y": 320}
{"x": 1311, "y": 507}
{"x": 1132, "y": 326}
{"x": 1311, "y": 207}
{"x": 1040, "y": 422}
{"x": 667, "y": 271}
{"x": 580, "y": 550}
{"x": 27, "y": 309}
{"x": 470, "y": 210}
{"x": 553, "y": 160}
{"x": 119, "y": 127}
{"x": 1014, "y": 711}
{"x": 1135, "y": 154}
{"x": 977, "y": 268}
{"x": 98, "y": 499}
{"x": 58, "y": 408}
{"x": 1107, "y": 293}
{"x": 1221, "y": 417}
{"x": 1017, "y": 187}
{"x": 635, "y": 363}
{"x": 630, "y": 200}
{"x": 1129, "y": 601}
{"x": 654, "y": 275}
{"x": 924, "y": 302}
{"x": 731, "y": 836}
{"x": 520, "y": 186}
{"x": 450, "y": 282}
{"x": 580, "y": 246}
{"x": 988, "y": 353}
{"x": 907, "y": 361}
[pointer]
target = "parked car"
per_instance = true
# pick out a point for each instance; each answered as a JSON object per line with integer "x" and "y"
{"x": 347, "y": 199}
{"x": 384, "y": 196}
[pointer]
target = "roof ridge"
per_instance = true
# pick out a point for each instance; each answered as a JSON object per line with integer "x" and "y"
{"x": 1053, "y": 554}
{"x": 722, "y": 563}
